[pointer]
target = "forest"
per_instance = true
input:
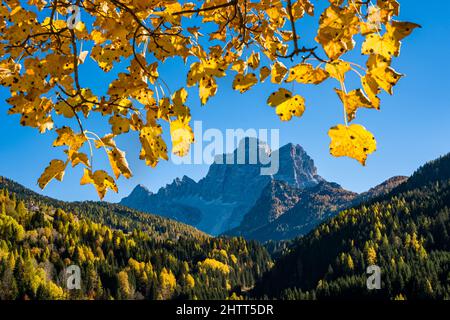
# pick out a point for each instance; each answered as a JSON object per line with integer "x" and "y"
{"x": 406, "y": 233}
{"x": 128, "y": 256}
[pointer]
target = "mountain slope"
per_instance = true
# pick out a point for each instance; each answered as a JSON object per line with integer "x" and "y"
{"x": 219, "y": 201}
{"x": 115, "y": 216}
{"x": 298, "y": 210}
{"x": 147, "y": 257}
{"x": 380, "y": 190}
{"x": 283, "y": 212}
{"x": 406, "y": 233}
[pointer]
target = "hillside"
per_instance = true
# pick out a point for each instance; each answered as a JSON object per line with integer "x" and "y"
{"x": 283, "y": 212}
{"x": 406, "y": 233}
{"x": 113, "y": 215}
{"x": 122, "y": 254}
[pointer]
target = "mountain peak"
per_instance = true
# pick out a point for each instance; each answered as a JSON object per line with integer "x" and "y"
{"x": 219, "y": 201}
{"x": 249, "y": 150}
{"x": 381, "y": 189}
{"x": 296, "y": 167}
{"x": 138, "y": 196}
{"x": 184, "y": 180}
{"x": 292, "y": 146}
{"x": 140, "y": 188}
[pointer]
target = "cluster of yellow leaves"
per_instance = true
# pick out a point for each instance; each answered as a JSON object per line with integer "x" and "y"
{"x": 43, "y": 51}
{"x": 338, "y": 25}
{"x": 213, "y": 264}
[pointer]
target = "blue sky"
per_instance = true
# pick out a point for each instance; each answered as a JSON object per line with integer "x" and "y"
{"x": 412, "y": 127}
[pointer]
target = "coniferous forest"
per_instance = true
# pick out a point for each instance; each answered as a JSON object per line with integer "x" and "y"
{"x": 406, "y": 234}
{"x": 129, "y": 256}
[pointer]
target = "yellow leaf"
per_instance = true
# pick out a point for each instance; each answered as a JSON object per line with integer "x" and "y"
{"x": 66, "y": 137}
{"x": 388, "y": 8}
{"x": 337, "y": 69}
{"x": 336, "y": 30}
{"x": 400, "y": 30}
{"x": 352, "y": 101}
{"x": 179, "y": 97}
{"x": 178, "y": 109}
{"x": 386, "y": 45}
{"x": 153, "y": 146}
{"x": 207, "y": 89}
{"x": 375, "y": 61}
{"x": 119, "y": 163}
{"x": 352, "y": 141}
{"x": 264, "y": 72}
{"x": 119, "y": 124}
{"x": 254, "y": 60}
{"x": 386, "y": 77}
{"x": 371, "y": 88}
{"x": 244, "y": 83}
{"x": 182, "y": 136}
{"x": 106, "y": 141}
{"x": 98, "y": 37}
{"x": 62, "y": 108}
{"x": 307, "y": 74}
{"x": 145, "y": 96}
{"x": 101, "y": 181}
{"x": 239, "y": 66}
{"x": 55, "y": 170}
{"x": 77, "y": 157}
{"x": 279, "y": 70}
{"x": 286, "y": 105}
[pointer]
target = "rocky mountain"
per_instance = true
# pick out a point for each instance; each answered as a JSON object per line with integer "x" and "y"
{"x": 235, "y": 199}
{"x": 290, "y": 212}
{"x": 219, "y": 201}
{"x": 283, "y": 212}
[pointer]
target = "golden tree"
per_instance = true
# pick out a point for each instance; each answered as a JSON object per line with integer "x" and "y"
{"x": 42, "y": 52}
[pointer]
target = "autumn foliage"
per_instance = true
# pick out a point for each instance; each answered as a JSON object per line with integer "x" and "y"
{"x": 43, "y": 49}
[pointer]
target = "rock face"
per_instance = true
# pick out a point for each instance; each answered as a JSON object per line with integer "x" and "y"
{"x": 284, "y": 212}
{"x": 219, "y": 201}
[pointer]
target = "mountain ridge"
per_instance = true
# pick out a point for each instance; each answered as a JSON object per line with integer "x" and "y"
{"x": 219, "y": 201}
{"x": 236, "y": 200}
